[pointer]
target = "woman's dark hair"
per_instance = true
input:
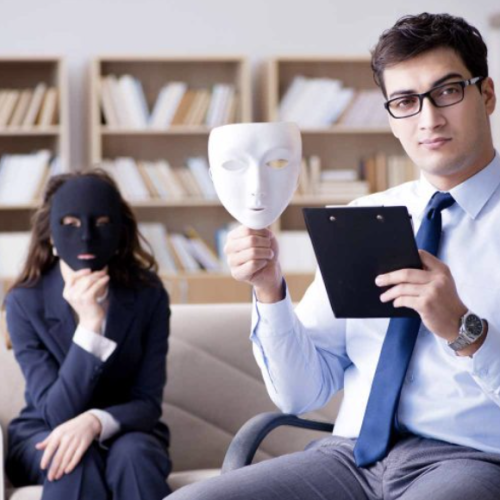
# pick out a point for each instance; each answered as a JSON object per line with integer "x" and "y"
{"x": 130, "y": 265}
{"x": 414, "y": 35}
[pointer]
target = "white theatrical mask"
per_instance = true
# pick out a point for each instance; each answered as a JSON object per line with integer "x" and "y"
{"x": 255, "y": 169}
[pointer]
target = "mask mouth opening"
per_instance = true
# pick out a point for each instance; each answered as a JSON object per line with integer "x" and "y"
{"x": 257, "y": 209}
{"x": 86, "y": 256}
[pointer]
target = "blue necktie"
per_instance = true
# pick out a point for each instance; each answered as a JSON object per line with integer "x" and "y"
{"x": 375, "y": 436}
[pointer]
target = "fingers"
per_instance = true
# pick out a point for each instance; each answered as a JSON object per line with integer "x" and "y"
{"x": 75, "y": 459}
{"x": 242, "y": 231}
{"x": 50, "y": 449}
{"x": 430, "y": 262}
{"x": 69, "y": 458}
{"x": 248, "y": 238}
{"x": 42, "y": 444}
{"x": 247, "y": 270}
{"x": 86, "y": 282}
{"x": 414, "y": 276}
{"x": 61, "y": 459}
{"x": 75, "y": 276}
{"x": 407, "y": 290}
{"x": 248, "y": 255}
{"x": 97, "y": 287}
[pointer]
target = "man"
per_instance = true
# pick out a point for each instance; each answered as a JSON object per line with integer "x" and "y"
{"x": 441, "y": 438}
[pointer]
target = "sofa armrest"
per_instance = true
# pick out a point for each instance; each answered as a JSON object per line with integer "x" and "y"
{"x": 244, "y": 445}
{"x": 2, "y": 464}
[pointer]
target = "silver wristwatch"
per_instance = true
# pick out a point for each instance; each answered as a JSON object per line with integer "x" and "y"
{"x": 472, "y": 328}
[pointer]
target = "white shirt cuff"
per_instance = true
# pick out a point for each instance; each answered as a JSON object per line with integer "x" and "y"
{"x": 109, "y": 425}
{"x": 272, "y": 319}
{"x": 96, "y": 344}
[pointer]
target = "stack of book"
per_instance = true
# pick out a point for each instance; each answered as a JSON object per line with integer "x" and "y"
{"x": 341, "y": 185}
{"x": 314, "y": 102}
{"x": 26, "y": 108}
{"x": 383, "y": 171}
{"x": 124, "y": 104}
{"x": 13, "y": 252}
{"x": 23, "y": 176}
{"x": 179, "y": 252}
{"x": 158, "y": 180}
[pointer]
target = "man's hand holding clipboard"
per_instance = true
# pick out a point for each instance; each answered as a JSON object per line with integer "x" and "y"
{"x": 354, "y": 245}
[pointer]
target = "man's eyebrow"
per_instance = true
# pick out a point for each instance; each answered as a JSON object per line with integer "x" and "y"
{"x": 434, "y": 84}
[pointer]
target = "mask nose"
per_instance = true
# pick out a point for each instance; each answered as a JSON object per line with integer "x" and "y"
{"x": 256, "y": 185}
{"x": 86, "y": 230}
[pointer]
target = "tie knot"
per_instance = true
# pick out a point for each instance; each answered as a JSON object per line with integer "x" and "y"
{"x": 439, "y": 202}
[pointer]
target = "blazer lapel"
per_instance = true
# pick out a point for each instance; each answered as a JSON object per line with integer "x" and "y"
{"x": 120, "y": 313}
{"x": 60, "y": 319}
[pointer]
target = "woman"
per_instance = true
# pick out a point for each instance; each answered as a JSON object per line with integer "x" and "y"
{"x": 89, "y": 323}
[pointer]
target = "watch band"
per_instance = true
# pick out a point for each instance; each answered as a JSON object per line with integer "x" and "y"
{"x": 465, "y": 338}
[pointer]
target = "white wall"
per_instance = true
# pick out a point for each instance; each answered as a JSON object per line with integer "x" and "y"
{"x": 256, "y": 28}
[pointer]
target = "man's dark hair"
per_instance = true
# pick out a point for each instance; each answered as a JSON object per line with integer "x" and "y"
{"x": 414, "y": 35}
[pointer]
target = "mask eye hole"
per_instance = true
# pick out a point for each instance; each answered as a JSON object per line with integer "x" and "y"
{"x": 233, "y": 165}
{"x": 70, "y": 220}
{"x": 277, "y": 164}
{"x": 103, "y": 220}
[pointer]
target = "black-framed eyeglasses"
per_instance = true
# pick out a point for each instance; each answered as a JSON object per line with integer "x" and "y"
{"x": 441, "y": 96}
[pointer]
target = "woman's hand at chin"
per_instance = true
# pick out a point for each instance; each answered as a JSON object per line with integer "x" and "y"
{"x": 81, "y": 290}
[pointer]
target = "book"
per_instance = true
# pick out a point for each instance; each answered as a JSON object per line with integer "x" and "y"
{"x": 296, "y": 253}
{"x": 196, "y": 113}
{"x": 21, "y": 108}
{"x": 35, "y": 104}
{"x": 7, "y": 106}
{"x": 183, "y": 250}
{"x": 170, "y": 180}
{"x": 109, "y": 113}
{"x": 134, "y": 101}
{"x": 49, "y": 108}
{"x": 158, "y": 185}
{"x": 13, "y": 253}
{"x": 183, "y": 108}
{"x": 156, "y": 235}
{"x": 21, "y": 176}
{"x": 123, "y": 115}
{"x": 166, "y": 104}
{"x": 201, "y": 251}
{"x": 189, "y": 182}
{"x": 200, "y": 170}
{"x": 135, "y": 189}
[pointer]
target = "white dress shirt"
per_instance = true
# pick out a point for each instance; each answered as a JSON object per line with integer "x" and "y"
{"x": 102, "y": 348}
{"x": 307, "y": 355}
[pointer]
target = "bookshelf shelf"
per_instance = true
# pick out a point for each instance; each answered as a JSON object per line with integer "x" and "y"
{"x": 174, "y": 144}
{"x": 34, "y": 132}
{"x": 33, "y": 117}
{"x": 346, "y": 130}
{"x": 186, "y": 203}
{"x": 349, "y": 144}
{"x": 155, "y": 132}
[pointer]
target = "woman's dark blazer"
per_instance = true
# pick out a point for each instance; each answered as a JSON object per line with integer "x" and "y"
{"x": 63, "y": 380}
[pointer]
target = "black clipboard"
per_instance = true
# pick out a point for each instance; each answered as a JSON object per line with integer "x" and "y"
{"x": 353, "y": 245}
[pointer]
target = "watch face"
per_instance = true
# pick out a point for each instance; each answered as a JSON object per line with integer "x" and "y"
{"x": 473, "y": 325}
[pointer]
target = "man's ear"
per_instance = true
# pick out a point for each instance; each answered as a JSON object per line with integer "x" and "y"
{"x": 489, "y": 97}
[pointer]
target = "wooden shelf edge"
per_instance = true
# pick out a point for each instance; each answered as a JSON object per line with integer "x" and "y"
{"x": 31, "y": 132}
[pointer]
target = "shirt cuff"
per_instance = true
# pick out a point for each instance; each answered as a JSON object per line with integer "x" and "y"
{"x": 274, "y": 319}
{"x": 109, "y": 425}
{"x": 486, "y": 362}
{"x": 95, "y": 344}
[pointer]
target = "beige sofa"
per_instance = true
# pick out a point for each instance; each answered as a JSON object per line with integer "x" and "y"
{"x": 214, "y": 386}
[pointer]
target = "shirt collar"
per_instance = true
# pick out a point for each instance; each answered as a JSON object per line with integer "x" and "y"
{"x": 472, "y": 194}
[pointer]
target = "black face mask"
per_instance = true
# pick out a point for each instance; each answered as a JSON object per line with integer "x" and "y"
{"x": 87, "y": 199}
